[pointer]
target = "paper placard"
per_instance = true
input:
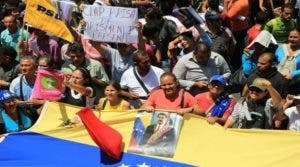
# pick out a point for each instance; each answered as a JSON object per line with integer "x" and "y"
{"x": 110, "y": 24}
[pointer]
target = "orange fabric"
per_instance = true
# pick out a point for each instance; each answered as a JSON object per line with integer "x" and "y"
{"x": 238, "y": 8}
{"x": 159, "y": 100}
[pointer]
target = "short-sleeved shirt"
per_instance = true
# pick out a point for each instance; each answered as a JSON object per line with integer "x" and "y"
{"x": 205, "y": 104}
{"x": 280, "y": 29}
{"x": 75, "y": 98}
{"x": 151, "y": 80}
{"x": 27, "y": 88}
{"x": 8, "y": 39}
{"x": 278, "y": 81}
{"x": 118, "y": 63}
{"x": 50, "y": 47}
{"x": 167, "y": 33}
{"x": 158, "y": 100}
{"x": 241, "y": 114}
{"x": 294, "y": 118}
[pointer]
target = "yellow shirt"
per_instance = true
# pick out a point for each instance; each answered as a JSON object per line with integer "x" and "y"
{"x": 118, "y": 107}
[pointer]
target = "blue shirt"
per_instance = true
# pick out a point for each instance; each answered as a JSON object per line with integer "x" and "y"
{"x": 119, "y": 63}
{"x": 13, "y": 125}
{"x": 248, "y": 63}
{"x": 15, "y": 87}
{"x": 8, "y": 39}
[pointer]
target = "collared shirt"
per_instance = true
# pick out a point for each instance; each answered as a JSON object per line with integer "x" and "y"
{"x": 188, "y": 70}
{"x": 27, "y": 88}
{"x": 8, "y": 39}
{"x": 241, "y": 113}
{"x": 118, "y": 63}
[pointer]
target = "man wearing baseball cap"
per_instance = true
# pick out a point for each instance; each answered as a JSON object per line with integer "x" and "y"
{"x": 222, "y": 38}
{"x": 215, "y": 104}
{"x": 256, "y": 110}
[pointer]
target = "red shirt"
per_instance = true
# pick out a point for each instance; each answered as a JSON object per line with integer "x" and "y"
{"x": 252, "y": 34}
{"x": 158, "y": 100}
{"x": 205, "y": 104}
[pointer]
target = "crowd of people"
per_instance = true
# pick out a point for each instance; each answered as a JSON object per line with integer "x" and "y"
{"x": 239, "y": 67}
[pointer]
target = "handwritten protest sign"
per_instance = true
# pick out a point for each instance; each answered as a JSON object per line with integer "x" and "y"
{"x": 110, "y": 24}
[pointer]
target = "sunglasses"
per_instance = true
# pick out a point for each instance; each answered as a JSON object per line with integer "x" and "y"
{"x": 255, "y": 90}
{"x": 218, "y": 84}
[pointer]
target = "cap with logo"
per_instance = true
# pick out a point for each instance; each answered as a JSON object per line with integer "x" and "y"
{"x": 218, "y": 78}
{"x": 5, "y": 95}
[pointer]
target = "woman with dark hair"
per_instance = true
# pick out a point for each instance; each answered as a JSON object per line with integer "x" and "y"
{"x": 170, "y": 96}
{"x": 288, "y": 56}
{"x": 78, "y": 89}
{"x": 113, "y": 101}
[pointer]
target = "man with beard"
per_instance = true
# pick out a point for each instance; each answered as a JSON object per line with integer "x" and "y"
{"x": 266, "y": 68}
{"x": 281, "y": 26}
{"x": 13, "y": 35}
{"x": 140, "y": 79}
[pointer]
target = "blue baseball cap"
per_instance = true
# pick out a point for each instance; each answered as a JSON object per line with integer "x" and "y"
{"x": 5, "y": 95}
{"x": 218, "y": 78}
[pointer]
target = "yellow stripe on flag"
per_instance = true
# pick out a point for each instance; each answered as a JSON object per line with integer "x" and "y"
{"x": 42, "y": 14}
{"x": 199, "y": 143}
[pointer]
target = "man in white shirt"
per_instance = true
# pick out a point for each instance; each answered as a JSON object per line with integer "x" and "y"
{"x": 148, "y": 75}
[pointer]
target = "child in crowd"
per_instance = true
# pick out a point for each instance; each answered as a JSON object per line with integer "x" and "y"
{"x": 260, "y": 20}
{"x": 292, "y": 112}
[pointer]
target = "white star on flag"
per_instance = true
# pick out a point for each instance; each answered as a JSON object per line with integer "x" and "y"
{"x": 143, "y": 165}
{"x": 123, "y": 165}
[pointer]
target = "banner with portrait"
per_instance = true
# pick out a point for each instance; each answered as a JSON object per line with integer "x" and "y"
{"x": 155, "y": 133}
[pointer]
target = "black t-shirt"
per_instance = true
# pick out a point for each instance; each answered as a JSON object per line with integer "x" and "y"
{"x": 278, "y": 81}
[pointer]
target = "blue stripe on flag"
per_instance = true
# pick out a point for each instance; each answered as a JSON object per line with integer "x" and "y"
{"x": 36, "y": 150}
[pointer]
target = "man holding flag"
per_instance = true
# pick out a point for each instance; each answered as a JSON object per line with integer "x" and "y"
{"x": 45, "y": 16}
{"x": 13, "y": 35}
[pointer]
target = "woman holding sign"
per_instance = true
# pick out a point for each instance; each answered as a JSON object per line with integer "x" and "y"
{"x": 170, "y": 96}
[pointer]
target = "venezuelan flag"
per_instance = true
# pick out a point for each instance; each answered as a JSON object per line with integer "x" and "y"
{"x": 50, "y": 143}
